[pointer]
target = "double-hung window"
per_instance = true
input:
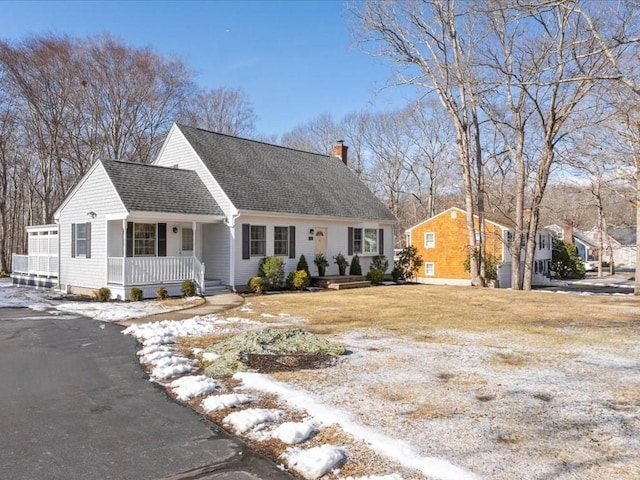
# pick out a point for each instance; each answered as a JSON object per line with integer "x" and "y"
{"x": 370, "y": 240}
{"x": 429, "y": 240}
{"x": 144, "y": 239}
{"x": 357, "y": 240}
{"x": 81, "y": 239}
{"x": 429, "y": 269}
{"x": 281, "y": 241}
{"x": 365, "y": 240}
{"x": 258, "y": 240}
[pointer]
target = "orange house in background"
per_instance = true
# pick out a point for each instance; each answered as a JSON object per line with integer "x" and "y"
{"x": 443, "y": 243}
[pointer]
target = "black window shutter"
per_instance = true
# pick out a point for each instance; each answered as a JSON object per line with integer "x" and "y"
{"x": 162, "y": 239}
{"x": 73, "y": 240}
{"x": 381, "y": 241}
{"x": 246, "y": 237}
{"x": 350, "y": 241}
{"x": 88, "y": 240}
{"x": 129, "y": 239}
{"x": 292, "y": 241}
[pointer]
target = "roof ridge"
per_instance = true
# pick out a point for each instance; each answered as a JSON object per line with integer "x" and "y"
{"x": 128, "y": 162}
{"x": 182, "y": 125}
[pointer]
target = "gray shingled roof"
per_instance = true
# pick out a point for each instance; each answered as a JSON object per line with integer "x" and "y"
{"x": 260, "y": 177}
{"x": 150, "y": 188}
{"x": 626, "y": 236}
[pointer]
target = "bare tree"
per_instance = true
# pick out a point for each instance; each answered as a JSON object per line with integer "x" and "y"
{"x": 616, "y": 30}
{"x": 222, "y": 110}
{"x": 435, "y": 43}
{"x": 318, "y": 135}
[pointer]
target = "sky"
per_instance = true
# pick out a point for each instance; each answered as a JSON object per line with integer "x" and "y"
{"x": 294, "y": 59}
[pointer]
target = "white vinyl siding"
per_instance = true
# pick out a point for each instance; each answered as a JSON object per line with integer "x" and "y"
{"x": 95, "y": 194}
{"x": 217, "y": 254}
{"x": 337, "y": 241}
{"x": 178, "y": 151}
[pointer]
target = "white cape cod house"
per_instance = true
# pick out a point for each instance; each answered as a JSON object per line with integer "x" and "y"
{"x": 209, "y": 209}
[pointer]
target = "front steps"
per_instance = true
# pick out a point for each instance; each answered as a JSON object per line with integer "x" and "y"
{"x": 214, "y": 287}
{"x": 342, "y": 282}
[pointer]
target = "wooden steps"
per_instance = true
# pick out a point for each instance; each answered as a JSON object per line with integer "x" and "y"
{"x": 345, "y": 285}
{"x": 342, "y": 282}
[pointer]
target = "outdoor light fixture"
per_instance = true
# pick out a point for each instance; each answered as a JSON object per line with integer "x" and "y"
{"x": 175, "y": 229}
{"x": 311, "y": 231}
{"x": 92, "y": 214}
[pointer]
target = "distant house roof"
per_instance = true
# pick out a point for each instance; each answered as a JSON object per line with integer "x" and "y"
{"x": 584, "y": 239}
{"x": 150, "y": 188}
{"x": 624, "y": 236}
{"x": 261, "y": 177}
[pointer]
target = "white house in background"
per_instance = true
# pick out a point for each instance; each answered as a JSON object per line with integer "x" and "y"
{"x": 209, "y": 209}
{"x": 586, "y": 247}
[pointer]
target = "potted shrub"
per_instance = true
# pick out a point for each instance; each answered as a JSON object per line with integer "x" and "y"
{"x": 322, "y": 263}
{"x": 341, "y": 262}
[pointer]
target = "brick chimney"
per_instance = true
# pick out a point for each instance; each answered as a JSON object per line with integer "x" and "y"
{"x": 567, "y": 232}
{"x": 340, "y": 151}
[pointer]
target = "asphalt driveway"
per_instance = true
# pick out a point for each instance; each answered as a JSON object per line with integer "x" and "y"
{"x": 75, "y": 404}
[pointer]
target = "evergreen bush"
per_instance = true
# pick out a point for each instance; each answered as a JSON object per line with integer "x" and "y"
{"x": 303, "y": 265}
{"x": 355, "y": 268}
{"x": 380, "y": 262}
{"x": 256, "y": 285}
{"x": 375, "y": 276}
{"x": 298, "y": 280}
{"x": 565, "y": 261}
{"x": 104, "y": 294}
{"x": 135, "y": 294}
{"x": 162, "y": 293}
{"x": 188, "y": 288}
{"x": 409, "y": 262}
{"x": 272, "y": 271}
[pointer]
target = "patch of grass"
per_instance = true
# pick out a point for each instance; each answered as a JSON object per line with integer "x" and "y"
{"x": 420, "y": 310}
{"x": 512, "y": 359}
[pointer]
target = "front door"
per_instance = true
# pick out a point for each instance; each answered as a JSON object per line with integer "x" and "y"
{"x": 186, "y": 242}
{"x": 321, "y": 240}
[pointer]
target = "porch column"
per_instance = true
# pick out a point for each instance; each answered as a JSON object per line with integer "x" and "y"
{"x": 193, "y": 238}
{"x": 124, "y": 252}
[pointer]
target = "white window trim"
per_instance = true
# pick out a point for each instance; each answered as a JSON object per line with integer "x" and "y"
{"x": 433, "y": 243}
{"x": 433, "y": 268}
{"x": 286, "y": 241}
{"x": 364, "y": 242}
{"x": 264, "y": 241}
{"x": 78, "y": 240}
{"x": 155, "y": 240}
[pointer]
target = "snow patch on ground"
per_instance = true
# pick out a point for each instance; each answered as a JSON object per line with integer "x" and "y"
{"x": 12, "y": 296}
{"x": 192, "y": 386}
{"x": 314, "y": 462}
{"x": 224, "y": 401}
{"x": 245, "y": 420}
{"x": 293, "y": 432}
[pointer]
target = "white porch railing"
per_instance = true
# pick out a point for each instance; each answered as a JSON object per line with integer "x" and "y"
{"x": 146, "y": 270}
{"x": 19, "y": 263}
{"x": 42, "y": 259}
